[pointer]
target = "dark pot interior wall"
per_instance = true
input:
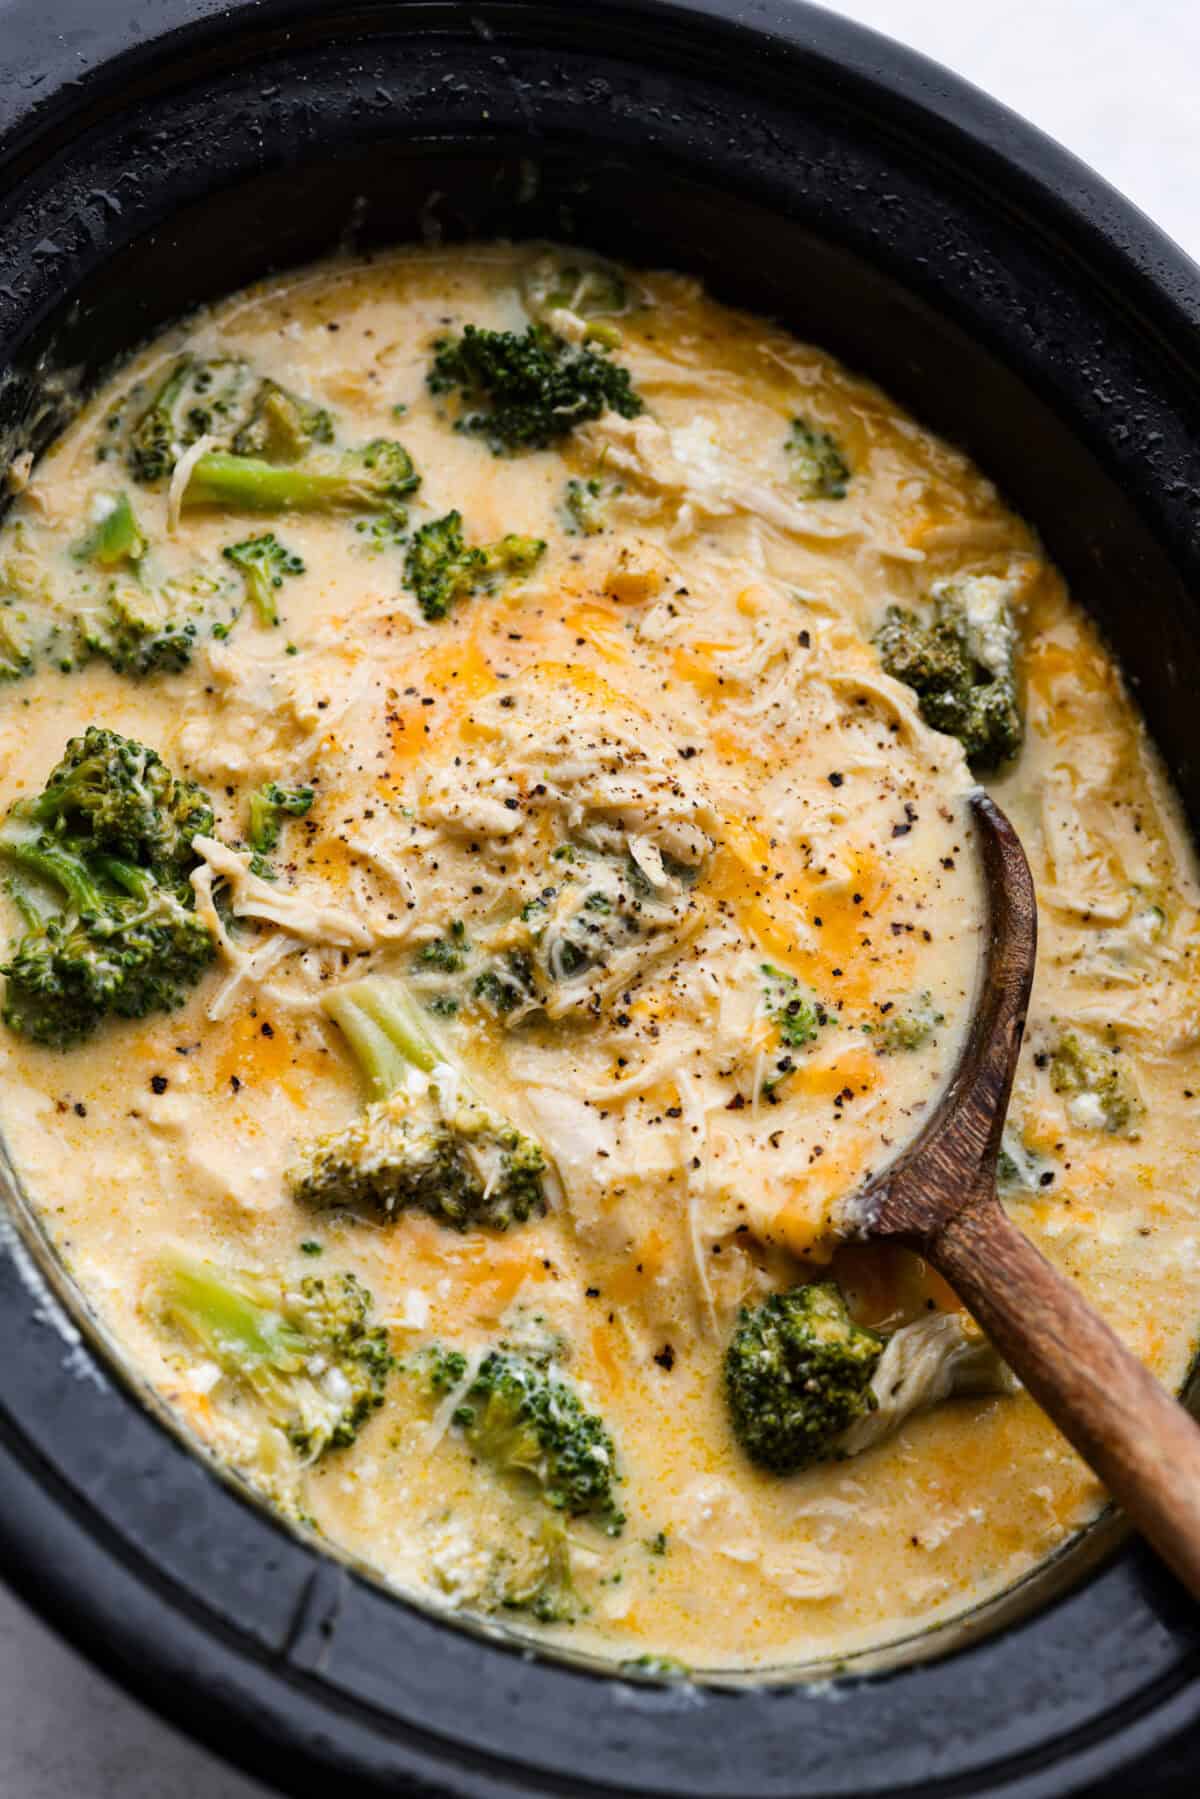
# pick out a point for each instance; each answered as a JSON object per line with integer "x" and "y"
{"x": 936, "y": 246}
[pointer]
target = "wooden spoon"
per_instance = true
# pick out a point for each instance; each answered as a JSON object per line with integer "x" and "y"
{"x": 939, "y": 1198}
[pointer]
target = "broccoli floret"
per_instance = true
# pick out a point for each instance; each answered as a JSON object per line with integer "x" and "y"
{"x": 304, "y": 1350}
{"x": 120, "y": 949}
{"x": 31, "y": 632}
{"x": 99, "y": 864}
{"x": 584, "y": 508}
{"x": 1097, "y": 1093}
{"x": 269, "y": 807}
{"x": 374, "y": 479}
{"x": 383, "y": 531}
{"x": 208, "y": 399}
{"x": 961, "y": 663}
{"x": 263, "y": 562}
{"x": 20, "y": 641}
{"x": 110, "y": 796}
{"x": 424, "y": 1144}
{"x": 282, "y": 427}
{"x": 145, "y": 630}
{"x": 797, "y": 1018}
{"x": 528, "y": 1569}
{"x": 507, "y": 984}
{"x": 441, "y": 568}
{"x": 445, "y": 955}
{"x": 532, "y": 388}
{"x": 116, "y": 536}
{"x": 197, "y": 399}
{"x": 525, "y": 1422}
{"x": 133, "y": 632}
{"x": 133, "y": 629}
{"x": 797, "y": 1373}
{"x": 909, "y": 1027}
{"x": 819, "y": 470}
{"x": 656, "y": 1667}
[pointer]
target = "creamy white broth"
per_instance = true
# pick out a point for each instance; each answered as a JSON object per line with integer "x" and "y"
{"x": 695, "y": 683}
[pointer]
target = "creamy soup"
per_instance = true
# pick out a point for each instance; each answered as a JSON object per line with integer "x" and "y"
{"x": 451, "y": 1109}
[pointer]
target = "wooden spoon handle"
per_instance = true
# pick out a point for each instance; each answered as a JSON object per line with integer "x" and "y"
{"x": 1139, "y": 1440}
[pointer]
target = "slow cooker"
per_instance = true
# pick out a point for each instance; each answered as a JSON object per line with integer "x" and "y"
{"x": 156, "y": 156}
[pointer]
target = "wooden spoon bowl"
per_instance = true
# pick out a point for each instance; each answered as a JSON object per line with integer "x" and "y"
{"x": 939, "y": 1198}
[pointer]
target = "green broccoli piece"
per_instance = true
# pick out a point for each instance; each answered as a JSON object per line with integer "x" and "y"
{"x": 528, "y": 1424}
{"x": 18, "y": 642}
{"x": 30, "y": 624}
{"x": 146, "y": 630}
{"x": 263, "y": 562}
{"x": 428, "y": 1145}
{"x": 269, "y": 807}
{"x": 797, "y": 1374}
{"x": 282, "y": 427}
{"x": 531, "y": 389}
{"x": 202, "y": 398}
{"x": 909, "y": 1027}
{"x": 540, "y": 1581}
{"x": 100, "y": 864}
{"x": 135, "y": 634}
{"x": 525, "y": 1568}
{"x": 303, "y": 1350}
{"x": 373, "y": 479}
{"x": 584, "y": 508}
{"x": 383, "y": 531}
{"x": 656, "y": 1667}
{"x": 133, "y": 629}
{"x": 819, "y": 470}
{"x": 115, "y": 536}
{"x": 797, "y": 1018}
{"x": 197, "y": 399}
{"x": 440, "y": 568}
{"x": 961, "y": 663}
{"x": 507, "y": 984}
{"x": 1090, "y": 1077}
{"x": 110, "y": 796}
{"x": 445, "y": 955}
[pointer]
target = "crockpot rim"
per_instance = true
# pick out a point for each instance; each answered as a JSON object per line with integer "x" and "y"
{"x": 815, "y": 29}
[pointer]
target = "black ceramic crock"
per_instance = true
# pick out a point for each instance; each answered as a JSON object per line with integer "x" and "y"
{"x": 156, "y": 155}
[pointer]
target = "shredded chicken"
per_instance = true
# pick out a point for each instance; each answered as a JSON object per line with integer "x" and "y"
{"x": 923, "y": 1364}
{"x": 302, "y": 915}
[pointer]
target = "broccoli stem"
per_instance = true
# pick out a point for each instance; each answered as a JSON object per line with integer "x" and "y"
{"x": 116, "y": 536}
{"x": 376, "y": 476}
{"x": 29, "y": 851}
{"x": 382, "y": 1025}
{"x": 269, "y": 807}
{"x": 220, "y": 478}
{"x": 137, "y": 882}
{"x": 263, "y": 562}
{"x": 235, "y": 1330}
{"x": 304, "y": 1350}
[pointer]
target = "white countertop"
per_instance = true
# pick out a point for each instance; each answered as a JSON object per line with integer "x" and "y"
{"x": 1116, "y": 84}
